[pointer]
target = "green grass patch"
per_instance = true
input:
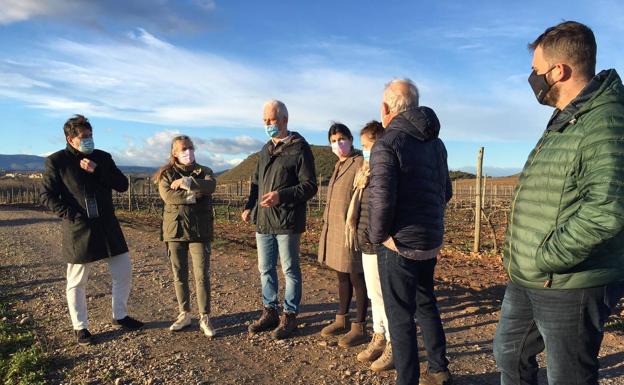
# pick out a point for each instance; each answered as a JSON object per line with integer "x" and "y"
{"x": 22, "y": 360}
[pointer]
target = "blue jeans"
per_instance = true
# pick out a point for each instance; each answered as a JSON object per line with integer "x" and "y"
{"x": 407, "y": 289}
{"x": 287, "y": 247}
{"x": 567, "y": 323}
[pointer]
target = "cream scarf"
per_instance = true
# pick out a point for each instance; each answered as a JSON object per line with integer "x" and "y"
{"x": 353, "y": 214}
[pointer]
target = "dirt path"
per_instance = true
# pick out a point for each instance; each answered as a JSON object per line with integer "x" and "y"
{"x": 32, "y": 274}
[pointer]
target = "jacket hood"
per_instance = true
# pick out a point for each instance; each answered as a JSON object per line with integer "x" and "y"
{"x": 604, "y": 88}
{"x": 420, "y": 122}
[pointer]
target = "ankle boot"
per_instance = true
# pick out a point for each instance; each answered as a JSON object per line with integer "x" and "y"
{"x": 286, "y": 327}
{"x": 267, "y": 321}
{"x": 374, "y": 349}
{"x": 356, "y": 336}
{"x": 385, "y": 362}
{"x": 339, "y": 326}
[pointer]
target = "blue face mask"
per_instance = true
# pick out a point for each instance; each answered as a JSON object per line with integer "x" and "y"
{"x": 86, "y": 145}
{"x": 366, "y": 154}
{"x": 272, "y": 130}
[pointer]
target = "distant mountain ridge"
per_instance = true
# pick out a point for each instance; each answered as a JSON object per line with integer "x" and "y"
{"x": 22, "y": 162}
{"x": 36, "y": 163}
{"x": 324, "y": 161}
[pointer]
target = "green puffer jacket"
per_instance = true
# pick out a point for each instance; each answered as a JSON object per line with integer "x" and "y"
{"x": 567, "y": 216}
{"x": 187, "y": 215}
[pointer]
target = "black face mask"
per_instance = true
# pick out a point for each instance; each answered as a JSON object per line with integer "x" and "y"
{"x": 540, "y": 85}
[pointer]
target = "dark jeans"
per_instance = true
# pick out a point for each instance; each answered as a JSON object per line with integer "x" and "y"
{"x": 567, "y": 323}
{"x": 407, "y": 288}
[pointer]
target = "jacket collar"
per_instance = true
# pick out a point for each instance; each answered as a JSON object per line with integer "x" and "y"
{"x": 419, "y": 122}
{"x": 192, "y": 169}
{"x": 276, "y": 149}
{"x": 347, "y": 163}
{"x": 75, "y": 152}
{"x": 560, "y": 119}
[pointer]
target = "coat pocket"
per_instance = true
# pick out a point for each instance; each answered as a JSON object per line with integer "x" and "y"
{"x": 172, "y": 226}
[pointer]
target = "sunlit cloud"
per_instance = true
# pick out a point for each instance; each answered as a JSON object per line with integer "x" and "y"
{"x": 217, "y": 153}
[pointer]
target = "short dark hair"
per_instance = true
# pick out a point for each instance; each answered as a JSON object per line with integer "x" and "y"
{"x": 372, "y": 129}
{"x": 75, "y": 125}
{"x": 571, "y": 41}
{"x": 339, "y": 128}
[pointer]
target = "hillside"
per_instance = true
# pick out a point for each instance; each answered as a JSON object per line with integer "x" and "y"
{"x": 36, "y": 163}
{"x": 461, "y": 175}
{"x": 21, "y": 162}
{"x": 324, "y": 161}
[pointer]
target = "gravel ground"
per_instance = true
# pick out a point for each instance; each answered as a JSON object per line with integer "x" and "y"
{"x": 470, "y": 290}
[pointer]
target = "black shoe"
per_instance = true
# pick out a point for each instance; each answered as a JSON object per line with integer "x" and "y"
{"x": 84, "y": 337}
{"x": 128, "y": 323}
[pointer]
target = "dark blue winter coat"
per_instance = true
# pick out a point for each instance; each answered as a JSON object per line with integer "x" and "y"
{"x": 409, "y": 183}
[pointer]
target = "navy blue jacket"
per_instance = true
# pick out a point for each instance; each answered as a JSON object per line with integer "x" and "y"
{"x": 409, "y": 182}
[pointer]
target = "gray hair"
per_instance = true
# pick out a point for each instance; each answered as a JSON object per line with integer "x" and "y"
{"x": 280, "y": 108}
{"x": 401, "y": 100}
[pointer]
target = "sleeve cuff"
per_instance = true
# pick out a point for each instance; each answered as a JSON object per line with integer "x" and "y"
{"x": 190, "y": 197}
{"x": 186, "y": 183}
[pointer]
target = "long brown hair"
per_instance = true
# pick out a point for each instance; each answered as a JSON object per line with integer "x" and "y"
{"x": 171, "y": 161}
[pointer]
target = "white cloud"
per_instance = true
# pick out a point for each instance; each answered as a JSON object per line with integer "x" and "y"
{"x": 146, "y": 79}
{"x": 216, "y": 153}
{"x": 206, "y": 4}
{"x": 237, "y": 145}
{"x": 148, "y": 39}
{"x": 160, "y": 15}
{"x": 12, "y": 11}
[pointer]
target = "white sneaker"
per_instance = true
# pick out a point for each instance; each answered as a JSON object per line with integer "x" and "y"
{"x": 184, "y": 320}
{"x": 206, "y": 326}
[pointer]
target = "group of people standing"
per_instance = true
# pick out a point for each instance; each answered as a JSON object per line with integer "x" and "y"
{"x": 383, "y": 225}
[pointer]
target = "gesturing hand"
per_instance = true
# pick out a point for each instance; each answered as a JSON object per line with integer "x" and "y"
{"x": 270, "y": 199}
{"x": 178, "y": 183}
{"x": 88, "y": 165}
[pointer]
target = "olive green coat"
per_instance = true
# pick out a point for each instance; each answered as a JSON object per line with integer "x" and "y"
{"x": 332, "y": 245}
{"x": 185, "y": 218}
{"x": 566, "y": 226}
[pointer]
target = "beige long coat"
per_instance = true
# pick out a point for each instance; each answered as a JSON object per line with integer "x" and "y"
{"x": 332, "y": 246}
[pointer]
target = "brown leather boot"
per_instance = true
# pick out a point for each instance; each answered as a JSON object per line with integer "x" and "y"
{"x": 385, "y": 362}
{"x": 267, "y": 321}
{"x": 437, "y": 378}
{"x": 339, "y": 326}
{"x": 374, "y": 349}
{"x": 356, "y": 336}
{"x": 287, "y": 325}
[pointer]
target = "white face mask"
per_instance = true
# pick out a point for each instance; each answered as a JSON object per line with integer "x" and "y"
{"x": 186, "y": 157}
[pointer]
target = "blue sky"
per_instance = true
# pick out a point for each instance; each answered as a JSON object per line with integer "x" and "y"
{"x": 143, "y": 71}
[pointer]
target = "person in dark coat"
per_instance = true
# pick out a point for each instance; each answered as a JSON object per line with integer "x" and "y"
{"x": 77, "y": 186}
{"x": 186, "y": 188}
{"x": 334, "y": 249}
{"x": 409, "y": 189}
{"x": 283, "y": 182}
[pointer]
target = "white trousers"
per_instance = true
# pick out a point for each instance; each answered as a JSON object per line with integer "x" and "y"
{"x": 77, "y": 276}
{"x": 373, "y": 288}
